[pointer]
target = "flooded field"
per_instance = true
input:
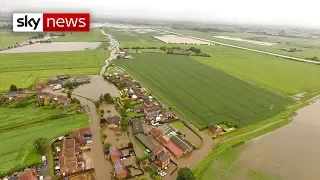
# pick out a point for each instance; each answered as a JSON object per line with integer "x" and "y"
{"x": 289, "y": 153}
{"x": 96, "y": 87}
{"x": 54, "y": 46}
{"x": 180, "y": 40}
{"x": 246, "y": 40}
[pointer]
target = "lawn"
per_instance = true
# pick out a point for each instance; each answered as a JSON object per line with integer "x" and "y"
{"x": 94, "y": 35}
{"x": 22, "y": 69}
{"x": 286, "y": 76}
{"x": 203, "y": 94}
{"x": 18, "y": 141}
{"x": 309, "y": 47}
{"x": 11, "y": 38}
{"x": 178, "y": 125}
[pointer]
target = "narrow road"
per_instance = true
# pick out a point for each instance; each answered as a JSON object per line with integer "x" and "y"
{"x": 115, "y": 47}
{"x": 244, "y": 48}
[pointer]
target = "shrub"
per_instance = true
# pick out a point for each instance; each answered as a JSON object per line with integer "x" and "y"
{"x": 106, "y": 148}
{"x": 40, "y": 145}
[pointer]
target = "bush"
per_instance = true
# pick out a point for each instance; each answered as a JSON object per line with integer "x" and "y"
{"x": 97, "y": 104}
{"x": 185, "y": 174}
{"x": 106, "y": 148}
{"x": 40, "y": 145}
{"x": 108, "y": 111}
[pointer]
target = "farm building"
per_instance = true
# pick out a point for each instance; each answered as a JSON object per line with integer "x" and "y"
{"x": 81, "y": 79}
{"x": 145, "y": 141}
{"x": 215, "y": 129}
{"x": 183, "y": 145}
{"x": 155, "y": 133}
{"x": 15, "y": 95}
{"x": 137, "y": 126}
{"x": 174, "y": 149}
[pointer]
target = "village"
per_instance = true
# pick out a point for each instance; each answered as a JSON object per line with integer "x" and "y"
{"x": 139, "y": 137}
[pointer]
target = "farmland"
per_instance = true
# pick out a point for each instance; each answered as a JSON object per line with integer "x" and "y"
{"x": 19, "y": 127}
{"x": 309, "y": 47}
{"x": 94, "y": 35}
{"x": 203, "y": 94}
{"x": 138, "y": 35}
{"x": 22, "y": 69}
{"x": 268, "y": 71}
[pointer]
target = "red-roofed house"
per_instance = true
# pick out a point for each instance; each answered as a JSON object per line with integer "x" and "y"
{"x": 28, "y": 175}
{"x": 163, "y": 140}
{"x": 174, "y": 149}
{"x": 157, "y": 150}
{"x": 63, "y": 100}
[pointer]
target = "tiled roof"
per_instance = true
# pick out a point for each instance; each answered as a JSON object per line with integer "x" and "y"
{"x": 180, "y": 142}
{"x": 174, "y": 149}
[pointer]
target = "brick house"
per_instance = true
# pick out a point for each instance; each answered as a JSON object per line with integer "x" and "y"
{"x": 163, "y": 159}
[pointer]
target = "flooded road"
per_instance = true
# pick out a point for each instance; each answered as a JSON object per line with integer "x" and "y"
{"x": 291, "y": 152}
{"x": 95, "y": 88}
{"x": 114, "y": 46}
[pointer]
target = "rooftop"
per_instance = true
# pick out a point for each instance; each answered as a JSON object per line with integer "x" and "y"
{"x": 174, "y": 149}
{"x": 180, "y": 142}
{"x": 137, "y": 126}
{"x": 145, "y": 140}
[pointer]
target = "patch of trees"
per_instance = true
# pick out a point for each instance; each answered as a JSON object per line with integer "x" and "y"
{"x": 14, "y": 88}
{"x": 185, "y": 174}
{"x": 124, "y": 124}
{"x": 107, "y": 98}
{"x": 138, "y": 47}
{"x": 40, "y": 145}
{"x": 196, "y": 50}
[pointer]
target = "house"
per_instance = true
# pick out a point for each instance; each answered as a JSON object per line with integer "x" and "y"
{"x": 15, "y": 95}
{"x": 183, "y": 145}
{"x": 113, "y": 121}
{"x": 168, "y": 115}
{"x": 70, "y": 159}
{"x": 28, "y": 175}
{"x": 151, "y": 115}
{"x": 163, "y": 160}
{"x": 147, "y": 102}
{"x": 114, "y": 154}
{"x": 120, "y": 171}
{"x": 123, "y": 77}
{"x": 81, "y": 79}
{"x": 39, "y": 86}
{"x": 53, "y": 81}
{"x": 63, "y": 76}
{"x": 63, "y": 100}
{"x": 139, "y": 110}
{"x": 155, "y": 133}
{"x": 215, "y": 129}
{"x": 137, "y": 126}
{"x": 81, "y": 136}
{"x": 153, "y": 109}
{"x": 174, "y": 149}
{"x": 44, "y": 95}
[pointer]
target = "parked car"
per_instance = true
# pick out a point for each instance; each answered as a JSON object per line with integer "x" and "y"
{"x": 57, "y": 87}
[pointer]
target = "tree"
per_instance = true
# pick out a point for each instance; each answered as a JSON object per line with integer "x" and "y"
{"x": 163, "y": 48}
{"x": 97, "y": 104}
{"x": 126, "y": 104}
{"x": 69, "y": 94}
{"x": 13, "y": 87}
{"x": 185, "y": 174}
{"x": 46, "y": 101}
{"x": 107, "y": 97}
{"x": 106, "y": 147}
{"x": 40, "y": 145}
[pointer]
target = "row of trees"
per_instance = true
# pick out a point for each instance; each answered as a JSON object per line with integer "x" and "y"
{"x": 14, "y": 88}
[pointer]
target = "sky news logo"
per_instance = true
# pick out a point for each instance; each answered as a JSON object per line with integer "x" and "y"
{"x": 51, "y": 22}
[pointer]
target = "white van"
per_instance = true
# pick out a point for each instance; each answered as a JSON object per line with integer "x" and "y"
{"x": 57, "y": 87}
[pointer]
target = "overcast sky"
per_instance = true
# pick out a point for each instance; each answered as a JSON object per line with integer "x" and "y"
{"x": 278, "y": 12}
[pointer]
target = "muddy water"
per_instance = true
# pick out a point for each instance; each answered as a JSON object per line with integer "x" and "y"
{"x": 95, "y": 88}
{"x": 291, "y": 152}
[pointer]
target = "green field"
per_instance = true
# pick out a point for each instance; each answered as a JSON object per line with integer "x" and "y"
{"x": 19, "y": 127}
{"x": 203, "y": 94}
{"x": 137, "y": 35}
{"x": 22, "y": 69}
{"x": 94, "y": 35}
{"x": 309, "y": 47}
{"x": 286, "y": 76}
{"x": 11, "y": 38}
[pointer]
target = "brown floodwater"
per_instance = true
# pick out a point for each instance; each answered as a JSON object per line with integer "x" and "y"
{"x": 291, "y": 152}
{"x": 95, "y": 88}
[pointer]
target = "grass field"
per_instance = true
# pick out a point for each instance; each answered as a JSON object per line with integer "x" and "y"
{"x": 22, "y": 69}
{"x": 10, "y": 38}
{"x": 17, "y": 150}
{"x": 286, "y": 76}
{"x": 309, "y": 47}
{"x": 94, "y": 35}
{"x": 203, "y": 94}
{"x": 137, "y": 35}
